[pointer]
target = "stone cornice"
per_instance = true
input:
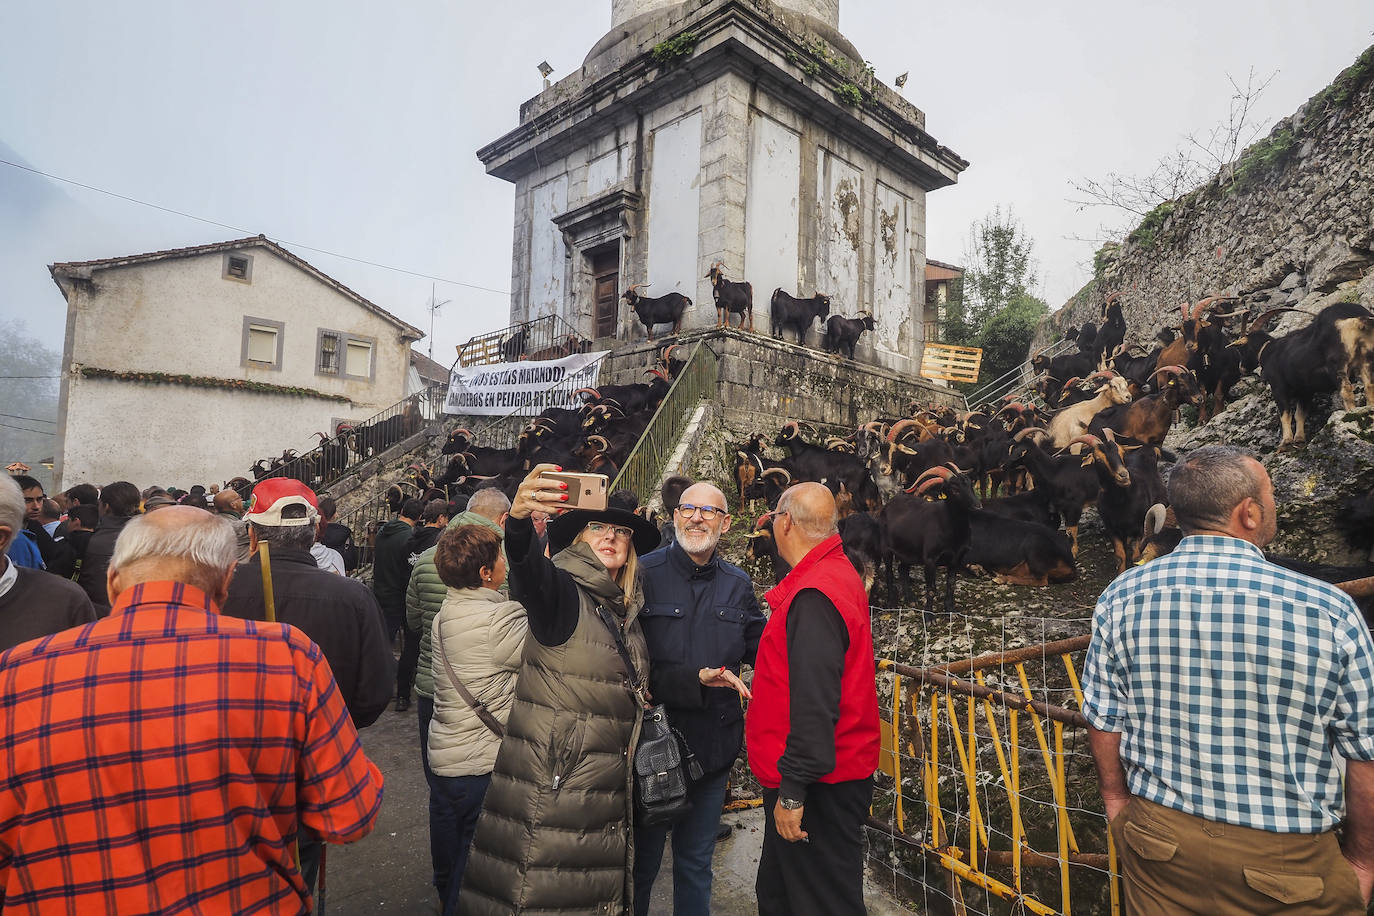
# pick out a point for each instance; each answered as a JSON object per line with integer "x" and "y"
{"x": 732, "y": 37}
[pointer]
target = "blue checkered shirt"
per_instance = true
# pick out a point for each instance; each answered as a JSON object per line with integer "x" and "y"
{"x": 1234, "y": 683}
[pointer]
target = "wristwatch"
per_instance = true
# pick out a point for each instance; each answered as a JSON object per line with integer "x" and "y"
{"x": 791, "y": 804}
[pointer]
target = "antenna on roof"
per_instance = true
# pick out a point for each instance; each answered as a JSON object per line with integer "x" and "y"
{"x": 433, "y": 310}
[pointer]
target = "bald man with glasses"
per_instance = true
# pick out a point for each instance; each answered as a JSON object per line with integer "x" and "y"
{"x": 699, "y": 612}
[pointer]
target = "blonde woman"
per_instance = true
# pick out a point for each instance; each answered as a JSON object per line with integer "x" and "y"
{"x": 555, "y": 830}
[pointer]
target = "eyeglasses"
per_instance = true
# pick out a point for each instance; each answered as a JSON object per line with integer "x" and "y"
{"x": 598, "y": 529}
{"x": 707, "y": 512}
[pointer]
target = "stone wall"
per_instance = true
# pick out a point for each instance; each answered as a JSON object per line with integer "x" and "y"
{"x": 771, "y": 381}
{"x": 1291, "y": 223}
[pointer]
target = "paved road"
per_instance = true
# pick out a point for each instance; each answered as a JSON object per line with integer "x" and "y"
{"x": 389, "y": 871}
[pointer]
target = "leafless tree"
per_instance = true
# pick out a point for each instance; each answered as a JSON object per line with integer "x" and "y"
{"x": 1200, "y": 156}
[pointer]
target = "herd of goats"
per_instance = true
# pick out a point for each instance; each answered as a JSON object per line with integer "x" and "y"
{"x": 999, "y": 489}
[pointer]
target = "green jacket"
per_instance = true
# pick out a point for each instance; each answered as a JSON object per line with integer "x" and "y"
{"x": 425, "y": 595}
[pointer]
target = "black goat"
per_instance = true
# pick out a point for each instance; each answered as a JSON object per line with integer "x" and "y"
{"x": 733, "y": 297}
{"x": 786, "y": 311}
{"x": 658, "y": 309}
{"x": 861, "y": 536}
{"x": 1112, "y": 332}
{"x": 1018, "y": 552}
{"x": 1317, "y": 359}
{"x": 1123, "y": 507}
{"x": 843, "y": 333}
{"x": 930, "y": 534}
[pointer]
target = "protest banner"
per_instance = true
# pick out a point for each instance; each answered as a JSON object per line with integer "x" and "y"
{"x": 525, "y": 388}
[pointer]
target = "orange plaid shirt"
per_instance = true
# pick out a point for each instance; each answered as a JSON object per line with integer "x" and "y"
{"x": 160, "y": 761}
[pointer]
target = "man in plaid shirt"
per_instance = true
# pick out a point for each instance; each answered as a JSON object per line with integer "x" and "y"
{"x": 162, "y": 759}
{"x": 1225, "y": 695}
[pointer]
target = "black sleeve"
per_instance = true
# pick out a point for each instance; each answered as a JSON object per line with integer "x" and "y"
{"x": 678, "y": 686}
{"x": 753, "y": 625}
{"x": 816, "y": 644}
{"x": 548, "y": 594}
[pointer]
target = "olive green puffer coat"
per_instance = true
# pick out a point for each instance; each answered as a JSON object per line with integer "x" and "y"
{"x": 554, "y": 835}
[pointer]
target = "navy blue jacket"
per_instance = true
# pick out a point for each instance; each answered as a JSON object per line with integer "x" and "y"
{"x": 698, "y": 617}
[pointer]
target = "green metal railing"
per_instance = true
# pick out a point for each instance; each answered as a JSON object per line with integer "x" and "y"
{"x": 641, "y": 471}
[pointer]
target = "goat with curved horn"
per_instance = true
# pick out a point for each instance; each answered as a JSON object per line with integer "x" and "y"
{"x": 895, "y": 432}
{"x": 1264, "y": 318}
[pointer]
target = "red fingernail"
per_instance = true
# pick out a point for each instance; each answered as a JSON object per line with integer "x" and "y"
{"x": 563, "y": 485}
{"x": 559, "y": 468}
{"x": 564, "y": 496}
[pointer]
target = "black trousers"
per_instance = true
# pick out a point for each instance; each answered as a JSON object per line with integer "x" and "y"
{"x": 410, "y": 652}
{"x": 823, "y": 876}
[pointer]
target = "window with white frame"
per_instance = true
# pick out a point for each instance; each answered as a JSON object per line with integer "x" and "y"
{"x": 345, "y": 355}
{"x": 262, "y": 343}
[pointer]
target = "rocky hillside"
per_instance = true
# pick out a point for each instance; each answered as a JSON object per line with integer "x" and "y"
{"x": 1291, "y": 222}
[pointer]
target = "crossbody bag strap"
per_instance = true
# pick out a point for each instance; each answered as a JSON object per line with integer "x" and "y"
{"x": 637, "y": 687}
{"x": 476, "y": 705}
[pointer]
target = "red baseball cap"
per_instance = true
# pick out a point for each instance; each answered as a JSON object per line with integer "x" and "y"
{"x": 273, "y": 495}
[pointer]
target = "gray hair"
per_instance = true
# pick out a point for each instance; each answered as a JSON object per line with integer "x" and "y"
{"x": 1206, "y": 486}
{"x": 205, "y": 542}
{"x": 816, "y": 527}
{"x": 11, "y": 505}
{"x": 489, "y": 502}
{"x": 286, "y": 537}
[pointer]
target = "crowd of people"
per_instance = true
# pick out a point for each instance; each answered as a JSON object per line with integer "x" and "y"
{"x": 183, "y": 679}
{"x": 211, "y": 669}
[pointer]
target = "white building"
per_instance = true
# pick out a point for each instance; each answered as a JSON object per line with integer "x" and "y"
{"x": 744, "y": 131}
{"x": 186, "y": 366}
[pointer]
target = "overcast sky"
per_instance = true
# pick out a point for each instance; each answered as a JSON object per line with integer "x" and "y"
{"x": 351, "y": 126}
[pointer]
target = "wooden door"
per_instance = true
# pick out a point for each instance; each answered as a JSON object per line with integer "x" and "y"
{"x": 606, "y": 270}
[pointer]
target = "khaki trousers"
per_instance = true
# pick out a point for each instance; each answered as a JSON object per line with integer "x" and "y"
{"x": 1174, "y": 863}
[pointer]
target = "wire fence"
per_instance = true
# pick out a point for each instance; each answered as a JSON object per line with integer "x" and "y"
{"x": 986, "y": 798}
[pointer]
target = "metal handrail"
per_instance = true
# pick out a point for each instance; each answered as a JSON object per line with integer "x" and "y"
{"x": 1016, "y": 378}
{"x": 335, "y": 457}
{"x": 549, "y": 337}
{"x": 644, "y": 466}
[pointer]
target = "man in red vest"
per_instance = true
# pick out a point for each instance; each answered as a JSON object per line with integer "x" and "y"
{"x": 813, "y": 739}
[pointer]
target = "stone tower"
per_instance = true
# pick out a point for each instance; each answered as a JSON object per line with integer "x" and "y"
{"x": 742, "y": 131}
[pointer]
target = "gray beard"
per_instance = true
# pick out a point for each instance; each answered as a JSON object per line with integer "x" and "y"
{"x": 697, "y": 541}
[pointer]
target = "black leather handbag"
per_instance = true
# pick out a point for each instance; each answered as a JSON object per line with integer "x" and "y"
{"x": 664, "y": 767}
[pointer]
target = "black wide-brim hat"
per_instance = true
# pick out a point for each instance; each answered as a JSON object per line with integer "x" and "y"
{"x": 564, "y": 528}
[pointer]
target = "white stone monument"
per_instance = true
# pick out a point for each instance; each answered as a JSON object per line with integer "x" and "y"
{"x": 740, "y": 131}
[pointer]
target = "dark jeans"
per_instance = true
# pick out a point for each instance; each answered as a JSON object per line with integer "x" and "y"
{"x": 308, "y": 847}
{"x": 823, "y": 876}
{"x": 410, "y": 651}
{"x": 694, "y": 842}
{"x": 463, "y": 796}
{"x": 442, "y": 819}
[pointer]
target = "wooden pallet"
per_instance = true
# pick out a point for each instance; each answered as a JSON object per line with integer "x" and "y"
{"x": 951, "y": 363}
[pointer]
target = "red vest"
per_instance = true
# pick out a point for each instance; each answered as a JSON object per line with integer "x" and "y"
{"x": 768, "y": 720}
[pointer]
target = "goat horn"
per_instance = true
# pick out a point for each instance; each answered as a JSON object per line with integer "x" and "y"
{"x": 762, "y": 520}
{"x": 1088, "y": 440}
{"x": 896, "y": 430}
{"x": 792, "y": 425}
{"x": 1029, "y": 430}
{"x": 870, "y": 427}
{"x": 743, "y": 457}
{"x": 1259, "y": 323}
{"x": 772, "y": 472}
{"x": 1172, "y": 370}
{"x": 595, "y": 394}
{"x": 1112, "y": 297}
{"x": 920, "y": 488}
{"x": 1216, "y": 315}
{"x": 939, "y": 471}
{"x": 1109, "y": 435}
{"x": 605, "y": 446}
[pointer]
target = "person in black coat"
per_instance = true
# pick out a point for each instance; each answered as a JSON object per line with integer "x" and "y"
{"x": 118, "y": 503}
{"x": 699, "y": 612}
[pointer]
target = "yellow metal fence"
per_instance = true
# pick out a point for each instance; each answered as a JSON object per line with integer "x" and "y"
{"x": 991, "y": 783}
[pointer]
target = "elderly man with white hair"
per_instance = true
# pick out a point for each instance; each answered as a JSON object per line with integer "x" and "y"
{"x": 162, "y": 759}
{"x": 33, "y": 603}
{"x": 699, "y": 612}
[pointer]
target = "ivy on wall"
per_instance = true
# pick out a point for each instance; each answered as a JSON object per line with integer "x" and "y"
{"x": 201, "y": 381}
